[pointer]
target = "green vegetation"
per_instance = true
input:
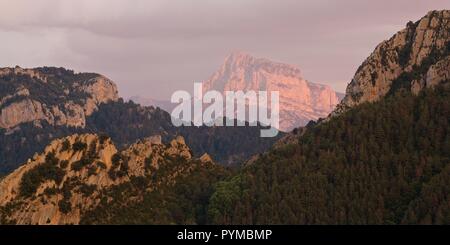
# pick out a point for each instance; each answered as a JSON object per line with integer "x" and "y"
{"x": 64, "y": 206}
{"x": 63, "y": 164}
{"x": 403, "y": 82}
{"x": 87, "y": 190}
{"x": 18, "y": 147}
{"x": 103, "y": 138}
{"x": 119, "y": 166}
{"x": 66, "y": 145}
{"x": 180, "y": 198}
{"x": 148, "y": 164}
{"x": 142, "y": 122}
{"x": 87, "y": 159}
{"x": 79, "y": 146}
{"x": 379, "y": 163}
{"x": 126, "y": 123}
{"x": 405, "y": 51}
{"x": 49, "y": 170}
{"x": 101, "y": 165}
{"x": 50, "y": 191}
{"x": 92, "y": 170}
{"x": 78, "y": 165}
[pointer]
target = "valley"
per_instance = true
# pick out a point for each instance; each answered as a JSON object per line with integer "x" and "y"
{"x": 73, "y": 152}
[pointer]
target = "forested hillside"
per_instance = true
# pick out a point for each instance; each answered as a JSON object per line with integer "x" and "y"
{"x": 126, "y": 122}
{"x": 378, "y": 163}
{"x": 42, "y": 104}
{"x": 181, "y": 200}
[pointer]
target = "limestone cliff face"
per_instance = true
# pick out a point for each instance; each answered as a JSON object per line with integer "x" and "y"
{"x": 69, "y": 177}
{"x": 300, "y": 100}
{"x": 414, "y": 58}
{"x": 55, "y": 95}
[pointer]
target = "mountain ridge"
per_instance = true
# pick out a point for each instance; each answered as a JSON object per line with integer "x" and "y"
{"x": 380, "y": 158}
{"x": 67, "y": 102}
{"x": 69, "y": 178}
{"x": 300, "y": 100}
{"x": 414, "y": 58}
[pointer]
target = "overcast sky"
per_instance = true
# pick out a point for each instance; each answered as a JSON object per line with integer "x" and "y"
{"x": 153, "y": 47}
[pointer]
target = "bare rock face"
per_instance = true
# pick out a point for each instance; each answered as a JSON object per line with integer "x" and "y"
{"x": 414, "y": 58}
{"x": 54, "y": 95}
{"x": 438, "y": 72}
{"x": 67, "y": 179}
{"x": 23, "y": 111}
{"x": 102, "y": 90}
{"x": 300, "y": 100}
{"x": 206, "y": 158}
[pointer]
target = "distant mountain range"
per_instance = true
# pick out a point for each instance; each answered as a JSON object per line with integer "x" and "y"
{"x": 41, "y": 104}
{"x": 381, "y": 157}
{"x": 301, "y": 101}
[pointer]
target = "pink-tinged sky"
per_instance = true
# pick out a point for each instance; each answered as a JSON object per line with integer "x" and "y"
{"x": 153, "y": 47}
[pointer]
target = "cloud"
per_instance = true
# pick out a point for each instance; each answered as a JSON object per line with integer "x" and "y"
{"x": 151, "y": 48}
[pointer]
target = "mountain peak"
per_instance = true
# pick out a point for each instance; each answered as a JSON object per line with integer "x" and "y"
{"x": 300, "y": 100}
{"x": 56, "y": 95}
{"x": 244, "y": 60}
{"x": 69, "y": 178}
{"x": 414, "y": 58}
{"x": 239, "y": 54}
{"x": 239, "y": 59}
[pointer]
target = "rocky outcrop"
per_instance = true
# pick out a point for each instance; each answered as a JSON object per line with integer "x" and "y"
{"x": 70, "y": 176}
{"x": 101, "y": 90}
{"x": 438, "y": 72}
{"x": 300, "y": 100}
{"x": 414, "y": 58}
{"x": 23, "y": 111}
{"x": 54, "y": 95}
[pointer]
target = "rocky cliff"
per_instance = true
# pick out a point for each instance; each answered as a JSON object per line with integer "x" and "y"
{"x": 55, "y": 95}
{"x": 42, "y": 104}
{"x": 414, "y": 58}
{"x": 73, "y": 173}
{"x": 300, "y": 100}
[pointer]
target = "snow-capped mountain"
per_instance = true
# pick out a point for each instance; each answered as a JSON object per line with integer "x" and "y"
{"x": 300, "y": 100}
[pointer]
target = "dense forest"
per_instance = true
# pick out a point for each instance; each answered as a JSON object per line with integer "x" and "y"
{"x": 23, "y": 143}
{"x": 175, "y": 193}
{"x": 378, "y": 163}
{"x": 49, "y": 91}
{"x": 127, "y": 122}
